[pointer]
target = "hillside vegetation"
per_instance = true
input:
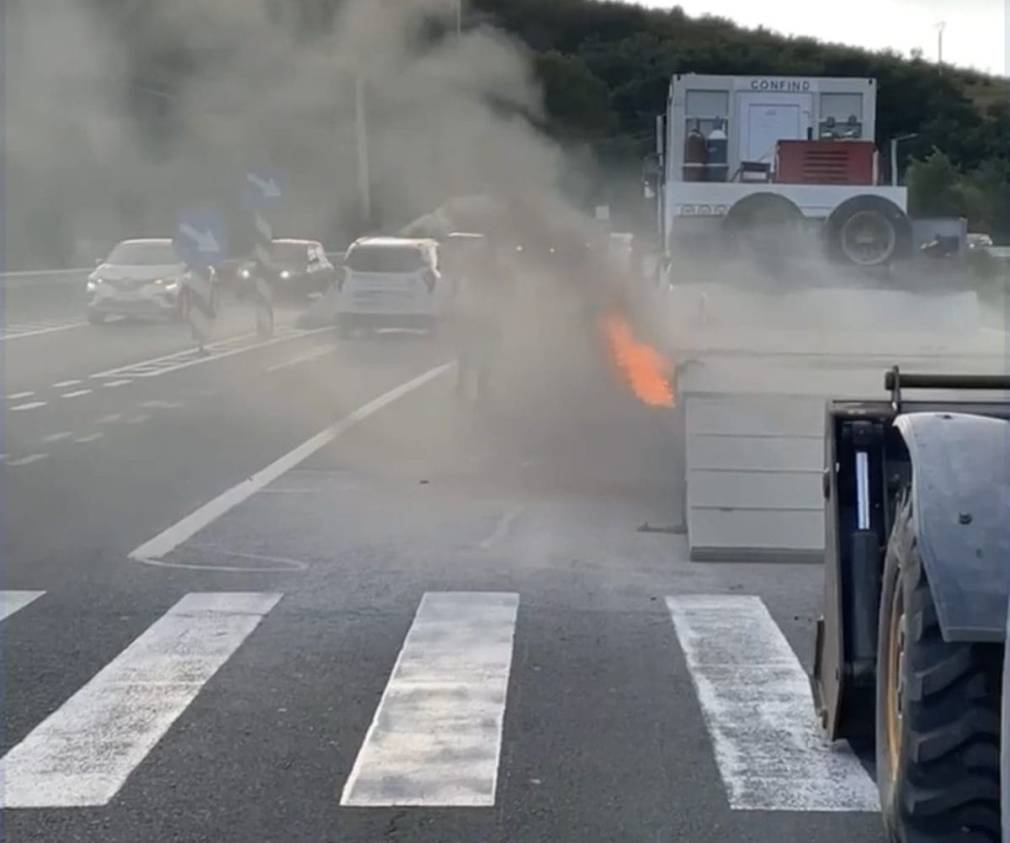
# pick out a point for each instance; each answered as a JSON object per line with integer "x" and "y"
{"x": 606, "y": 68}
{"x": 120, "y": 112}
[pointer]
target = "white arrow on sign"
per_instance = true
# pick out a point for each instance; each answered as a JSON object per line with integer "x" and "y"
{"x": 206, "y": 242}
{"x": 268, "y": 187}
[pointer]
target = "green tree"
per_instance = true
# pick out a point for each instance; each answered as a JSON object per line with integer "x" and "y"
{"x": 577, "y": 101}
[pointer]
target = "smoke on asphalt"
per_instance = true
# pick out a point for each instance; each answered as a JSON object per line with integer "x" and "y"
{"x": 122, "y": 113}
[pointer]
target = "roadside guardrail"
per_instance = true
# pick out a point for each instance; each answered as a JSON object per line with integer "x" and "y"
{"x": 43, "y": 277}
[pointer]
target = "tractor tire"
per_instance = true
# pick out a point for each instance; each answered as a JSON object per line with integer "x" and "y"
{"x": 938, "y": 712}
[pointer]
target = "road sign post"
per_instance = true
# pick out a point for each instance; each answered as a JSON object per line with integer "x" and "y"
{"x": 200, "y": 243}
{"x": 263, "y": 193}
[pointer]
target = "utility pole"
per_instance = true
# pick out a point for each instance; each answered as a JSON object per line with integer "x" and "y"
{"x": 940, "y": 27}
{"x": 364, "y": 169}
{"x": 459, "y": 18}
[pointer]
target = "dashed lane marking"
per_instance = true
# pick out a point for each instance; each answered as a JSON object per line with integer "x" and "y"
{"x": 18, "y": 396}
{"x": 76, "y": 394}
{"x": 32, "y": 405}
{"x": 173, "y": 536}
{"x": 162, "y": 405}
{"x": 57, "y": 437}
{"x": 82, "y": 754}
{"x": 91, "y": 437}
{"x": 501, "y": 529}
{"x": 436, "y": 737}
{"x": 66, "y": 384}
{"x": 215, "y": 351}
{"x": 16, "y": 332}
{"x": 757, "y": 704}
{"x": 309, "y": 356}
{"x": 28, "y": 460}
{"x": 140, "y": 418}
{"x": 114, "y": 384}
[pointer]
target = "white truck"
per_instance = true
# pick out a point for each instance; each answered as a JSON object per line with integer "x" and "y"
{"x": 752, "y": 154}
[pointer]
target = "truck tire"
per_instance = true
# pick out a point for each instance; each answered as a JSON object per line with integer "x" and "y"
{"x": 938, "y": 712}
{"x": 765, "y": 224}
{"x": 868, "y": 231}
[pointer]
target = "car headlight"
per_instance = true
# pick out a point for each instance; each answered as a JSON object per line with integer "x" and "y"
{"x": 245, "y": 274}
{"x": 285, "y": 275}
{"x": 170, "y": 285}
{"x": 92, "y": 284}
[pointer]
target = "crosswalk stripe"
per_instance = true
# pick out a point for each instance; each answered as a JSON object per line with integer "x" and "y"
{"x": 759, "y": 711}
{"x": 436, "y": 736}
{"x": 83, "y": 753}
{"x": 15, "y": 601}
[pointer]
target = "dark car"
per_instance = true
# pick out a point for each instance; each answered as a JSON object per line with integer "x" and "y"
{"x": 299, "y": 269}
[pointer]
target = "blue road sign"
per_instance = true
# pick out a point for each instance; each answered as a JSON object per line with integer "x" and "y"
{"x": 263, "y": 190}
{"x": 201, "y": 237}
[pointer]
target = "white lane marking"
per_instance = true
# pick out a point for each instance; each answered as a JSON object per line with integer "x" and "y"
{"x": 18, "y": 396}
{"x": 757, "y": 704}
{"x": 57, "y": 437}
{"x": 83, "y": 753}
{"x": 162, "y": 405}
{"x": 114, "y": 384}
{"x": 76, "y": 394}
{"x": 112, "y": 418}
{"x": 32, "y": 405}
{"x": 13, "y": 332}
{"x": 91, "y": 437}
{"x": 65, "y": 384}
{"x": 31, "y": 458}
{"x": 502, "y": 528}
{"x": 282, "y": 564}
{"x": 436, "y": 736}
{"x": 218, "y": 351}
{"x": 314, "y": 354}
{"x": 140, "y": 418}
{"x": 179, "y": 532}
{"x": 15, "y": 601}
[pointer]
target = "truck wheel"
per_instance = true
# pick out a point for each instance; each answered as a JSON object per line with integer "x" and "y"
{"x": 868, "y": 231}
{"x": 765, "y": 224}
{"x": 938, "y": 712}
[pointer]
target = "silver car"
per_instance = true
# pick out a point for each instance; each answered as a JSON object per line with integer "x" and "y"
{"x": 139, "y": 278}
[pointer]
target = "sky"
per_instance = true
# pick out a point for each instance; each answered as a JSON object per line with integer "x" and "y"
{"x": 976, "y": 34}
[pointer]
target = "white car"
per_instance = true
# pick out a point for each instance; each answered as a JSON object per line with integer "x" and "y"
{"x": 139, "y": 278}
{"x": 390, "y": 282}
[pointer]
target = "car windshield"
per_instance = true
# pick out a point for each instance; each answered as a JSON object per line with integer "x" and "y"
{"x": 386, "y": 259}
{"x": 141, "y": 253}
{"x": 290, "y": 253}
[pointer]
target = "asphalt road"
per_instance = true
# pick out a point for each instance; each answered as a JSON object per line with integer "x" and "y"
{"x": 453, "y": 606}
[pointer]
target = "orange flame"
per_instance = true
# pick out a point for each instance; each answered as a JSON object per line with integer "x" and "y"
{"x": 643, "y": 367}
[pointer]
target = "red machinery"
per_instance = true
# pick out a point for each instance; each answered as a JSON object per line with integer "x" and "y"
{"x": 826, "y": 162}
